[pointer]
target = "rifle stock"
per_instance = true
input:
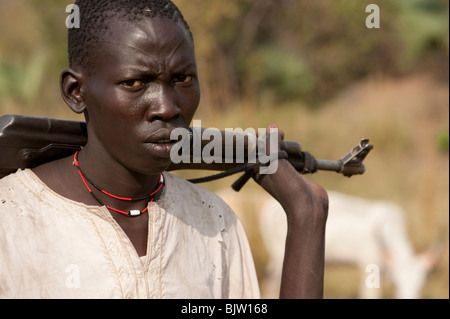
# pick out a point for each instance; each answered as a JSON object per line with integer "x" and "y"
{"x": 27, "y": 141}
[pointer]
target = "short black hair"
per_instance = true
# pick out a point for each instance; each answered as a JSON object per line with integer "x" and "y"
{"x": 94, "y": 21}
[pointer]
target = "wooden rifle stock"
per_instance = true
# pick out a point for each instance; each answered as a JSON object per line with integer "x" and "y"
{"x": 27, "y": 141}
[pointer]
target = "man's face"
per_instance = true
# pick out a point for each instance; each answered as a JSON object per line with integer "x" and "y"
{"x": 144, "y": 85}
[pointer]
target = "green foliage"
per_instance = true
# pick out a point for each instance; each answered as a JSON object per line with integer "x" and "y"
{"x": 278, "y": 75}
{"x": 264, "y": 48}
{"x": 443, "y": 142}
{"x": 22, "y": 81}
{"x": 423, "y": 26}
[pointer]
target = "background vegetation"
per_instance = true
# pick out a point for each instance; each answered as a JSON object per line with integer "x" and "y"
{"x": 313, "y": 68}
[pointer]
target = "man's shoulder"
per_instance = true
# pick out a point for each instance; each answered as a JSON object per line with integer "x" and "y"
{"x": 16, "y": 190}
{"x": 189, "y": 188}
{"x": 194, "y": 195}
{"x": 10, "y": 182}
{"x": 11, "y": 195}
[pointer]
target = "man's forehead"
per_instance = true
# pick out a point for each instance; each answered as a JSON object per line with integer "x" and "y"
{"x": 154, "y": 28}
{"x": 155, "y": 44}
{"x": 152, "y": 33}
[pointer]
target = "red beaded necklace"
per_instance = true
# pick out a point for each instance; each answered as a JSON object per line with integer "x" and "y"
{"x": 85, "y": 180}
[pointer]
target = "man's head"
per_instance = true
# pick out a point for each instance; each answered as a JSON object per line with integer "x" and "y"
{"x": 95, "y": 24}
{"x": 134, "y": 76}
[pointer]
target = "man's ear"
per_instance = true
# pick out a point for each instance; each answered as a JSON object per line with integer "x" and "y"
{"x": 71, "y": 85}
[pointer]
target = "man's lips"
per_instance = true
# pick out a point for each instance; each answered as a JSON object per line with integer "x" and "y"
{"x": 161, "y": 136}
{"x": 159, "y": 142}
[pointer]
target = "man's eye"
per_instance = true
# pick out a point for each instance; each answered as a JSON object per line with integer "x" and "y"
{"x": 183, "y": 78}
{"x": 133, "y": 83}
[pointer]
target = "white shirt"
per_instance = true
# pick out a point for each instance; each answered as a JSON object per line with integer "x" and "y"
{"x": 53, "y": 247}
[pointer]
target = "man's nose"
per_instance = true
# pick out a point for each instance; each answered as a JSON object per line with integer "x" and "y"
{"x": 162, "y": 104}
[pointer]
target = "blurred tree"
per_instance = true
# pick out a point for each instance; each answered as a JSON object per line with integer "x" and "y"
{"x": 225, "y": 32}
{"x": 258, "y": 51}
{"x": 304, "y": 50}
{"x": 32, "y": 53}
{"x": 424, "y": 29}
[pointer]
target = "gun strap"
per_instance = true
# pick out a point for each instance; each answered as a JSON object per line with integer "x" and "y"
{"x": 309, "y": 164}
{"x": 249, "y": 169}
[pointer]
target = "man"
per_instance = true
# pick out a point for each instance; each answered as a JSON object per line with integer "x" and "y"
{"x": 108, "y": 222}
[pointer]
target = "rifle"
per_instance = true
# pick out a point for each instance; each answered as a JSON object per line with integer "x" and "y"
{"x": 27, "y": 141}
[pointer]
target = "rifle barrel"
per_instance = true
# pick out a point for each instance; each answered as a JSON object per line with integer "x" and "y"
{"x": 27, "y": 141}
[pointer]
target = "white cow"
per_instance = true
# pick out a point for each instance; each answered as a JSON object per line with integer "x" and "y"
{"x": 371, "y": 234}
